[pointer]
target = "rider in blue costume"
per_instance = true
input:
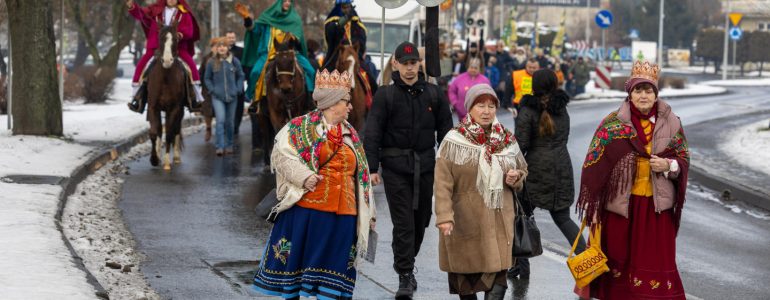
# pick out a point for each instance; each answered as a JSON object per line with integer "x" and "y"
{"x": 273, "y": 24}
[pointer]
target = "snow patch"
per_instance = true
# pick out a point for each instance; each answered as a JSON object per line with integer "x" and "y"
{"x": 594, "y": 94}
{"x": 94, "y": 225}
{"x": 739, "y": 82}
{"x": 748, "y": 145}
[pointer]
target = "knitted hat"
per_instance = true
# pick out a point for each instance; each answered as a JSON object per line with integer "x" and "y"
{"x": 330, "y": 88}
{"x": 476, "y": 91}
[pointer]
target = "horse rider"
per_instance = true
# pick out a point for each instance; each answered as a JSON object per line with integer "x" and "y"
{"x": 153, "y": 17}
{"x": 342, "y": 26}
{"x": 277, "y": 23}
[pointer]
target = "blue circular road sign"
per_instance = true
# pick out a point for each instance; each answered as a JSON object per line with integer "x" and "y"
{"x": 603, "y": 18}
{"x": 735, "y": 33}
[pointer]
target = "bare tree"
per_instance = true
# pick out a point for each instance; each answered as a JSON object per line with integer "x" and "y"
{"x": 112, "y": 15}
{"x": 36, "y": 107}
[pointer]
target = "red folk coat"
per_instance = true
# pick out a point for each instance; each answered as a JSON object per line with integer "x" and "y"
{"x": 151, "y": 18}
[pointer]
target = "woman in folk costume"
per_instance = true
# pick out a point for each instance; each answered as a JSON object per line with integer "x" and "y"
{"x": 633, "y": 183}
{"x": 478, "y": 166}
{"x": 152, "y": 18}
{"x": 326, "y": 204}
{"x": 277, "y": 23}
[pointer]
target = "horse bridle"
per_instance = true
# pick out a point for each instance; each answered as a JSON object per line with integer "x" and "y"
{"x": 293, "y": 70}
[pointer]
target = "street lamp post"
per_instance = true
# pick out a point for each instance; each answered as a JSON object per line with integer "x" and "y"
{"x": 660, "y": 33}
{"x": 724, "y": 56}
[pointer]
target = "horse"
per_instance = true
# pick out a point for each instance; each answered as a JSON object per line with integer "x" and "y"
{"x": 287, "y": 95}
{"x": 347, "y": 60}
{"x": 167, "y": 89}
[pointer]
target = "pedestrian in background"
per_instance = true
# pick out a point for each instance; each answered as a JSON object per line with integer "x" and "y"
{"x": 237, "y": 52}
{"x": 407, "y": 120}
{"x": 479, "y": 165}
{"x": 326, "y": 204}
{"x": 492, "y": 72}
{"x": 207, "y": 109}
{"x": 224, "y": 78}
{"x": 633, "y": 184}
{"x": 462, "y": 83}
{"x": 580, "y": 73}
{"x": 542, "y": 131}
{"x": 521, "y": 84}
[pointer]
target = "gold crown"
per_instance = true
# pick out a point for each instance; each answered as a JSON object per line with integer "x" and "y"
{"x": 645, "y": 70}
{"x": 333, "y": 80}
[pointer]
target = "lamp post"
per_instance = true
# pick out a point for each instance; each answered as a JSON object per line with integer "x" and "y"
{"x": 660, "y": 34}
{"x": 724, "y": 56}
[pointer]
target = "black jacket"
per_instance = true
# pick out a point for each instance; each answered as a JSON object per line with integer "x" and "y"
{"x": 415, "y": 117}
{"x": 549, "y": 182}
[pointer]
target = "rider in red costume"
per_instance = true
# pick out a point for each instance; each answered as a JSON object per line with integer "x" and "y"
{"x": 153, "y": 17}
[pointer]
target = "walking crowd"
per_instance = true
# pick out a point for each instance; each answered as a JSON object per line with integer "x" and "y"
{"x": 477, "y": 176}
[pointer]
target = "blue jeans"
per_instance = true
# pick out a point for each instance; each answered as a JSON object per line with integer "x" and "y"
{"x": 224, "y": 112}
{"x": 579, "y": 89}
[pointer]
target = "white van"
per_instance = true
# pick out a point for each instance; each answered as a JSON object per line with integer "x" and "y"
{"x": 401, "y": 24}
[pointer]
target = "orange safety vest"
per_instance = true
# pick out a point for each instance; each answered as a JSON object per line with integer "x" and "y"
{"x": 522, "y": 84}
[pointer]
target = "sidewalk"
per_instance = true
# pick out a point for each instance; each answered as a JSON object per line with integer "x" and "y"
{"x": 36, "y": 174}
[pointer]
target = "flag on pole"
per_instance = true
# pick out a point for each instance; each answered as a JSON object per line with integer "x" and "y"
{"x": 558, "y": 41}
{"x": 511, "y": 34}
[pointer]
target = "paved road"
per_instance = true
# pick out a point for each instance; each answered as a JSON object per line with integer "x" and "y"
{"x": 201, "y": 238}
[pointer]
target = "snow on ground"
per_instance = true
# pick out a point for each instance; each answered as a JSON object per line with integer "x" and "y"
{"x": 94, "y": 225}
{"x": 593, "y": 93}
{"x": 739, "y": 82}
{"x": 34, "y": 260}
{"x": 748, "y": 145}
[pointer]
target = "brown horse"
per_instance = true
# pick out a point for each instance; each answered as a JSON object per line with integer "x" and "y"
{"x": 167, "y": 89}
{"x": 286, "y": 92}
{"x": 347, "y": 60}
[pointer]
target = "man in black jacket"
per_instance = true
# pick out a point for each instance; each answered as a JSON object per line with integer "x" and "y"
{"x": 407, "y": 120}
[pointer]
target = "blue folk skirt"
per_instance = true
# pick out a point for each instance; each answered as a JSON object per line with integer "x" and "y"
{"x": 310, "y": 253}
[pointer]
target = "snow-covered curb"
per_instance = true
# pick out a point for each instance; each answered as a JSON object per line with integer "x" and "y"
{"x": 739, "y": 82}
{"x": 94, "y": 226}
{"x": 691, "y": 90}
{"x": 750, "y": 146}
{"x": 35, "y": 260}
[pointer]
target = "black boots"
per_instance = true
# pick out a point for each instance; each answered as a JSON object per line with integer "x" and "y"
{"x": 520, "y": 269}
{"x": 407, "y": 284}
{"x": 139, "y": 100}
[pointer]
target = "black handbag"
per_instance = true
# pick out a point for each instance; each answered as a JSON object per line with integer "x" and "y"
{"x": 526, "y": 240}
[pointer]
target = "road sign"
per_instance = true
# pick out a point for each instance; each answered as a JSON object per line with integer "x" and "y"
{"x": 735, "y": 33}
{"x": 735, "y": 18}
{"x": 603, "y": 77}
{"x": 633, "y": 34}
{"x": 603, "y": 18}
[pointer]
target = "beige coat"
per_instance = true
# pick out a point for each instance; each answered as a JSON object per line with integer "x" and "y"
{"x": 482, "y": 238}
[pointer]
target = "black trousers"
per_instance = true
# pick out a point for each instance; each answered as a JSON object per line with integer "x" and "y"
{"x": 408, "y": 224}
{"x": 568, "y": 228}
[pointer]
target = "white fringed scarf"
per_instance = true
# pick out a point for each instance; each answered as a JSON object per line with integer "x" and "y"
{"x": 458, "y": 149}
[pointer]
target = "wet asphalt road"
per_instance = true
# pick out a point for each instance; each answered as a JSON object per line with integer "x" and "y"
{"x": 197, "y": 228}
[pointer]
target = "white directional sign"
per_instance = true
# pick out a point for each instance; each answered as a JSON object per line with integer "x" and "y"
{"x": 603, "y": 18}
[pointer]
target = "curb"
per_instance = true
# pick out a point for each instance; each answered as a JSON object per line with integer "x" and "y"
{"x": 737, "y": 190}
{"x": 105, "y": 155}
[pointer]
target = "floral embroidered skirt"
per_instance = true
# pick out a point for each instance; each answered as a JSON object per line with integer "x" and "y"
{"x": 310, "y": 253}
{"x": 641, "y": 252}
